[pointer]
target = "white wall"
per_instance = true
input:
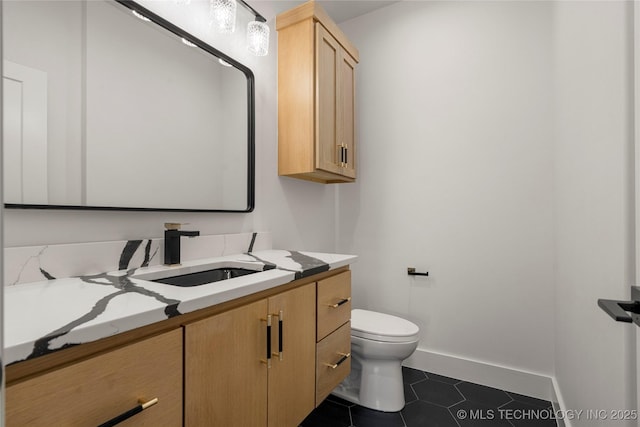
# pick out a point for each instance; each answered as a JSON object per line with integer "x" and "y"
{"x": 456, "y": 177}
{"x": 594, "y": 203}
{"x": 298, "y": 213}
{"x": 496, "y": 152}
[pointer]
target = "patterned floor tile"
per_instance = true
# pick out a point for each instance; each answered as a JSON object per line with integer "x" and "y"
{"x": 530, "y": 400}
{"x": 364, "y": 417}
{"x": 328, "y": 414}
{"x": 437, "y": 401}
{"x": 524, "y": 415}
{"x": 412, "y": 376}
{"x": 483, "y": 394}
{"x": 422, "y": 414}
{"x": 442, "y": 378}
{"x": 437, "y": 392}
{"x": 475, "y": 414}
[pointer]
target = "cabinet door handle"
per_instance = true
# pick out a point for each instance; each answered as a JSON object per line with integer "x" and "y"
{"x": 339, "y": 303}
{"x": 130, "y": 413}
{"x": 346, "y": 156}
{"x": 344, "y": 357}
{"x": 280, "y": 328}
{"x": 268, "y": 360}
{"x": 280, "y": 339}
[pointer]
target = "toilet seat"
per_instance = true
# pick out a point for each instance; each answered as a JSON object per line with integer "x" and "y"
{"x": 382, "y": 327}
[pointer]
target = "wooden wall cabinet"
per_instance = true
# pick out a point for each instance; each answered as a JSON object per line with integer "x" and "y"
{"x": 316, "y": 97}
{"x": 95, "y": 390}
{"x": 227, "y": 379}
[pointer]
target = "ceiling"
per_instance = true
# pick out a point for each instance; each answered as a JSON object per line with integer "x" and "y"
{"x": 339, "y": 10}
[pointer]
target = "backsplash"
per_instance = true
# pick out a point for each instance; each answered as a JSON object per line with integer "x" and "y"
{"x": 36, "y": 263}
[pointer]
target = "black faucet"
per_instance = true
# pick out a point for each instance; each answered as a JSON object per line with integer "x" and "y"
{"x": 172, "y": 235}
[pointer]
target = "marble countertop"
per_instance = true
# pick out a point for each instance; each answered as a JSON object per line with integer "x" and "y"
{"x": 46, "y": 316}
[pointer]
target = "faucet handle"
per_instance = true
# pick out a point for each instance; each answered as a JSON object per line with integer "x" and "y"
{"x": 174, "y": 225}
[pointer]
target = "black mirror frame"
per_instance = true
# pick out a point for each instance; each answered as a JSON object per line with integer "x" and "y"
{"x": 133, "y": 6}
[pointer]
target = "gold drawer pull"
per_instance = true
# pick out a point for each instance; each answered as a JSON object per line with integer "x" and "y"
{"x": 130, "y": 413}
{"x": 344, "y": 357}
{"x": 339, "y": 303}
{"x": 267, "y": 361}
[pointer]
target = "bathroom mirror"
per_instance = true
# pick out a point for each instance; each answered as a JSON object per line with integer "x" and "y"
{"x": 109, "y": 109}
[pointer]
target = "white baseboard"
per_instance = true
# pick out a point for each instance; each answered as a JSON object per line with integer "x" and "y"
{"x": 558, "y": 405}
{"x": 504, "y": 378}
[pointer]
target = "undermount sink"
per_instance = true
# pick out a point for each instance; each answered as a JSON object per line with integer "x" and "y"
{"x": 204, "y": 277}
{"x": 199, "y": 274}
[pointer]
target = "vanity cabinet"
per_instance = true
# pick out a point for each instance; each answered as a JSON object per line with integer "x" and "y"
{"x": 316, "y": 97}
{"x": 95, "y": 390}
{"x": 333, "y": 359}
{"x": 237, "y": 373}
{"x": 223, "y": 365}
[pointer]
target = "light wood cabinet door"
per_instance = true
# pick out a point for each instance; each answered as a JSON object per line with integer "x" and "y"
{"x": 292, "y": 379}
{"x": 95, "y": 390}
{"x": 328, "y": 117}
{"x": 346, "y": 73}
{"x": 225, "y": 378}
{"x": 335, "y": 108}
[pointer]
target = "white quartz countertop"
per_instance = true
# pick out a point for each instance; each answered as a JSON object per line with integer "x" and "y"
{"x": 46, "y": 316}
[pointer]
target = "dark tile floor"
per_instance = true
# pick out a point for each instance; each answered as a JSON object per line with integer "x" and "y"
{"x": 436, "y": 401}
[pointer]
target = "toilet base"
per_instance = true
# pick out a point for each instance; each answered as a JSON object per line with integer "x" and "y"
{"x": 349, "y": 395}
{"x": 376, "y": 386}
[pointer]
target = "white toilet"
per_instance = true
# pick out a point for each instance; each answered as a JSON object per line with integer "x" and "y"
{"x": 379, "y": 344}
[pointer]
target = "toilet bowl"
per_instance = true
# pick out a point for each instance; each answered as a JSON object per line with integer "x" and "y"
{"x": 379, "y": 344}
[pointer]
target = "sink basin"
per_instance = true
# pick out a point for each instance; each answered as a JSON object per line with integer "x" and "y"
{"x": 204, "y": 277}
{"x": 199, "y": 274}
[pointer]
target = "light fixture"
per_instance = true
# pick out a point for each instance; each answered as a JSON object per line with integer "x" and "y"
{"x": 258, "y": 37}
{"x": 223, "y": 15}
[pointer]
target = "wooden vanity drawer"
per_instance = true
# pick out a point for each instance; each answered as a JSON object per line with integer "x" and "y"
{"x": 95, "y": 390}
{"x": 333, "y": 361}
{"x": 334, "y": 303}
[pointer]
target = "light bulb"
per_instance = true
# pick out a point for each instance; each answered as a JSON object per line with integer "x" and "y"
{"x": 258, "y": 38}
{"x": 223, "y": 15}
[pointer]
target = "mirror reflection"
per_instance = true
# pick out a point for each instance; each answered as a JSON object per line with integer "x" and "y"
{"x": 105, "y": 110}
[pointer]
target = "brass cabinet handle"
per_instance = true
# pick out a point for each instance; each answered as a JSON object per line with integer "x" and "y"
{"x": 130, "y": 413}
{"x": 268, "y": 360}
{"x": 339, "y": 303}
{"x": 278, "y": 353}
{"x": 344, "y": 357}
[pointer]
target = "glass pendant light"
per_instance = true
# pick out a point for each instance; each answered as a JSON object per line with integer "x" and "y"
{"x": 223, "y": 15}
{"x": 258, "y": 38}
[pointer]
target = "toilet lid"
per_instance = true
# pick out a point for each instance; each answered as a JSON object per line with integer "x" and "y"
{"x": 382, "y": 327}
